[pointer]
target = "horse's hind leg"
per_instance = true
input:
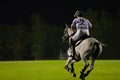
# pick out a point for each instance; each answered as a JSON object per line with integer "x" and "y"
{"x": 91, "y": 67}
{"x": 85, "y": 66}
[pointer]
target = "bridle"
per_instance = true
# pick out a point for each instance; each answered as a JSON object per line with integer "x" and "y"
{"x": 67, "y": 36}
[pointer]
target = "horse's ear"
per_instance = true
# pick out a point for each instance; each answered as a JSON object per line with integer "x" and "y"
{"x": 66, "y": 25}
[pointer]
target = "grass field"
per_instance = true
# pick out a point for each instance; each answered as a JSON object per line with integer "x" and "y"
{"x": 54, "y": 70}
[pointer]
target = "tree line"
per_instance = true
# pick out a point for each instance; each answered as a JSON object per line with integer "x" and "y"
{"x": 43, "y": 40}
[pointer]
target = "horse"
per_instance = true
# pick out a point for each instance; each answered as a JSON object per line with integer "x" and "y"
{"x": 89, "y": 48}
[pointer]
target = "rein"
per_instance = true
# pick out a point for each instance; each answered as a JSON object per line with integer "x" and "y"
{"x": 71, "y": 34}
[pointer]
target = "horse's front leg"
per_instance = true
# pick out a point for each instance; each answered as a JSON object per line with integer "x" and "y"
{"x": 72, "y": 68}
{"x": 70, "y": 58}
{"x": 71, "y": 62}
{"x": 67, "y": 63}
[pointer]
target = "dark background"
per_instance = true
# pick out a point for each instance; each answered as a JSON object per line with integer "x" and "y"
{"x": 54, "y": 11}
{"x": 33, "y": 29}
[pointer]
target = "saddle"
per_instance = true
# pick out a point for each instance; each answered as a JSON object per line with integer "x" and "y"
{"x": 79, "y": 41}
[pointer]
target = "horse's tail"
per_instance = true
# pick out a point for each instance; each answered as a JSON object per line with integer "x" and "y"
{"x": 97, "y": 49}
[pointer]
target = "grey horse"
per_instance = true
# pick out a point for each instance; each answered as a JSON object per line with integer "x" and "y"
{"x": 89, "y": 48}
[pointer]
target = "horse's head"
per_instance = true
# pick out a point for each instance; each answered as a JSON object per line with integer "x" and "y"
{"x": 67, "y": 32}
{"x": 65, "y": 35}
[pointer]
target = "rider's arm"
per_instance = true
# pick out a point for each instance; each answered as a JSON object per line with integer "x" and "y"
{"x": 89, "y": 24}
{"x": 73, "y": 25}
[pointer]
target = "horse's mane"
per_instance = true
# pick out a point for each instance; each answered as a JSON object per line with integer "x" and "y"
{"x": 70, "y": 31}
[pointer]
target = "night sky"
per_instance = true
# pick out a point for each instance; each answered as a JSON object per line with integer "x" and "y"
{"x": 54, "y": 11}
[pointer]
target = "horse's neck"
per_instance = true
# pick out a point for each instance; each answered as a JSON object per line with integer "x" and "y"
{"x": 70, "y": 31}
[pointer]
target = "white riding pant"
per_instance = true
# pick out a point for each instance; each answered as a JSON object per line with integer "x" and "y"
{"x": 80, "y": 33}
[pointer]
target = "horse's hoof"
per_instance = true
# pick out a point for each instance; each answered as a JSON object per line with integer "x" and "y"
{"x": 82, "y": 75}
{"x": 85, "y": 75}
{"x": 74, "y": 75}
{"x": 83, "y": 78}
{"x": 65, "y": 67}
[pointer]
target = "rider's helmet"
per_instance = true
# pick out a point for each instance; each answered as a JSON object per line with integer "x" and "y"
{"x": 78, "y": 13}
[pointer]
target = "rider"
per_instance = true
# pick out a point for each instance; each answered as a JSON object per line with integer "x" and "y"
{"x": 80, "y": 27}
